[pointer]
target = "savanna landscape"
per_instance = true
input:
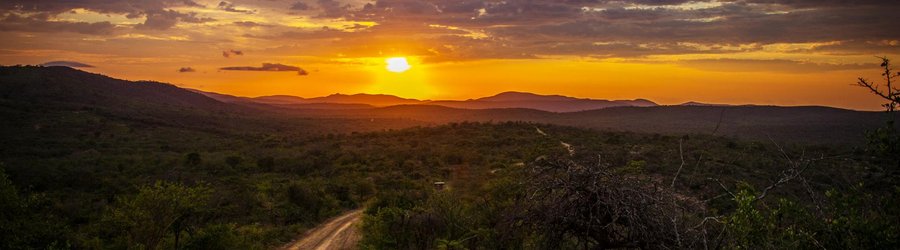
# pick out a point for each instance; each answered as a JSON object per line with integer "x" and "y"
{"x": 395, "y": 124}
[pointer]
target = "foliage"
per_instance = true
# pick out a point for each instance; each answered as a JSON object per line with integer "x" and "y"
{"x": 157, "y": 211}
{"x": 593, "y": 207}
{"x": 885, "y": 141}
{"x": 220, "y": 237}
{"x": 94, "y": 165}
{"x": 851, "y": 219}
{"x": 25, "y": 221}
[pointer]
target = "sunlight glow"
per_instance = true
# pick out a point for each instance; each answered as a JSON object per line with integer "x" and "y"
{"x": 397, "y": 64}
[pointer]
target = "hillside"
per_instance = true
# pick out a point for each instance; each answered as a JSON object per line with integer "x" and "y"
{"x": 795, "y": 124}
{"x": 61, "y": 88}
{"x": 55, "y": 101}
{"x": 74, "y": 88}
{"x": 91, "y": 162}
{"x": 551, "y": 103}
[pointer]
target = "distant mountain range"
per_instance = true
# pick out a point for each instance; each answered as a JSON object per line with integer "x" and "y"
{"x": 705, "y": 104}
{"x": 550, "y": 103}
{"x": 30, "y": 93}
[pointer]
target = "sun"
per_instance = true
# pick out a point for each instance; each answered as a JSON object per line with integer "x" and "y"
{"x": 397, "y": 64}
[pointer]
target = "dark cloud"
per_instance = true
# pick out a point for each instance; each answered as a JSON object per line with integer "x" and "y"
{"x": 249, "y": 24}
{"x": 230, "y": 7}
{"x": 785, "y": 66}
{"x": 70, "y": 64}
{"x": 333, "y": 8}
{"x": 38, "y": 23}
{"x": 165, "y": 19}
{"x": 160, "y": 20}
{"x": 274, "y": 67}
{"x": 477, "y": 29}
{"x": 193, "y": 18}
{"x": 820, "y": 3}
{"x": 157, "y": 13}
{"x": 229, "y": 53}
{"x": 300, "y": 6}
{"x": 134, "y": 8}
{"x": 186, "y": 70}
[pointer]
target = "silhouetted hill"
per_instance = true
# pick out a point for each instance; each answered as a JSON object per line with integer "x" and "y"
{"x": 73, "y": 88}
{"x": 809, "y": 124}
{"x": 36, "y": 96}
{"x": 34, "y": 99}
{"x": 703, "y": 104}
{"x": 377, "y": 100}
{"x": 332, "y": 106}
{"x": 513, "y": 96}
{"x": 279, "y": 99}
{"x": 356, "y": 99}
{"x": 552, "y": 103}
{"x": 223, "y": 97}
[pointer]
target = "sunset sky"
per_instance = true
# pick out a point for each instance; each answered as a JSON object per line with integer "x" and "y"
{"x": 782, "y": 52}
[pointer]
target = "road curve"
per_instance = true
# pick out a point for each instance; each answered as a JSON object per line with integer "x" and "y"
{"x": 339, "y": 233}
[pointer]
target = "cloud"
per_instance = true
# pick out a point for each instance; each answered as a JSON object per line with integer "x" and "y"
{"x": 70, "y": 64}
{"x": 193, "y": 18}
{"x": 441, "y": 30}
{"x": 165, "y": 19}
{"x": 333, "y": 9}
{"x": 229, "y": 53}
{"x": 300, "y": 6}
{"x": 186, "y": 70}
{"x": 133, "y": 8}
{"x": 159, "y": 20}
{"x": 274, "y": 67}
{"x": 40, "y": 23}
{"x": 484, "y": 29}
{"x": 251, "y": 24}
{"x": 157, "y": 13}
{"x": 230, "y": 7}
{"x": 775, "y": 65}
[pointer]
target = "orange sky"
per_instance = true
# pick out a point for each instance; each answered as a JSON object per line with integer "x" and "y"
{"x": 734, "y": 51}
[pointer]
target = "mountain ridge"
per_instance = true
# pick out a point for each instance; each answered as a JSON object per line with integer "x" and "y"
{"x": 64, "y": 91}
{"x": 508, "y": 99}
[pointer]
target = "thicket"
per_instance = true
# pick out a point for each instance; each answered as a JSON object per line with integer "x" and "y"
{"x": 662, "y": 192}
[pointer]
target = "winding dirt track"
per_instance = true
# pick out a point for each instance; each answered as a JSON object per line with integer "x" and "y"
{"x": 339, "y": 233}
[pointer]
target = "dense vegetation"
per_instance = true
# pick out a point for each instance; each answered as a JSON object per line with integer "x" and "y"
{"x": 257, "y": 194}
{"x": 97, "y": 170}
{"x": 642, "y": 191}
{"x": 729, "y": 194}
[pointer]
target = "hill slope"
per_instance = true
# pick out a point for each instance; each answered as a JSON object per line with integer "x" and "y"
{"x": 59, "y": 92}
{"x": 74, "y": 88}
{"x": 552, "y": 103}
{"x": 810, "y": 124}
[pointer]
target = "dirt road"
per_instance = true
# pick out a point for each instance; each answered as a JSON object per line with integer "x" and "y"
{"x": 339, "y": 233}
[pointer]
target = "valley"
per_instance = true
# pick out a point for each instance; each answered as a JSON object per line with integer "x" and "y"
{"x": 96, "y": 162}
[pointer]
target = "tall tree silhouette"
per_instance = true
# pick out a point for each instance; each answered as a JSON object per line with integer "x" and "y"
{"x": 885, "y": 141}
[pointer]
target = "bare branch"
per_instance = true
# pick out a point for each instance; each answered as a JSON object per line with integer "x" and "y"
{"x": 723, "y": 187}
{"x": 718, "y": 124}
{"x": 794, "y": 170}
{"x": 891, "y": 93}
{"x": 874, "y": 88}
{"x": 680, "y": 153}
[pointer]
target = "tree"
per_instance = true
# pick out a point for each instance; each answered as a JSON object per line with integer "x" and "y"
{"x": 885, "y": 141}
{"x": 158, "y": 210}
{"x": 192, "y": 159}
{"x": 25, "y": 220}
{"x": 888, "y": 92}
{"x": 591, "y": 206}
